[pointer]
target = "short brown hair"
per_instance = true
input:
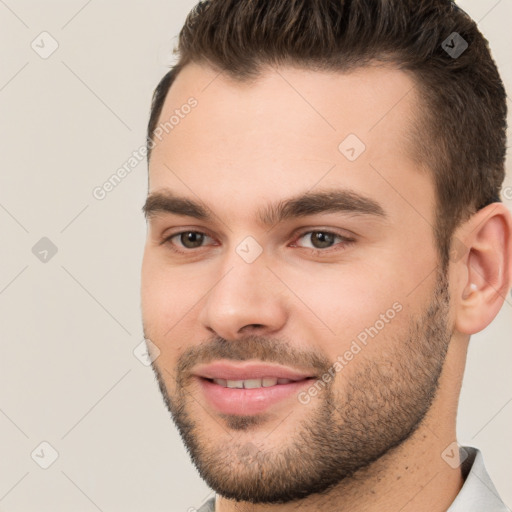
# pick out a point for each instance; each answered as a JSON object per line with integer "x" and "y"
{"x": 460, "y": 134}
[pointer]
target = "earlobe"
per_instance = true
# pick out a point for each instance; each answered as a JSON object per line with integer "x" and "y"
{"x": 487, "y": 268}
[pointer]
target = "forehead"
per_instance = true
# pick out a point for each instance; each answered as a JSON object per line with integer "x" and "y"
{"x": 288, "y": 131}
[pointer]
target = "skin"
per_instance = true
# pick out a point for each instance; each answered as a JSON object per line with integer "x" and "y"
{"x": 248, "y": 145}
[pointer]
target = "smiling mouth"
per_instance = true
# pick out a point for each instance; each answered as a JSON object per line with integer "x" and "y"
{"x": 251, "y": 395}
{"x": 265, "y": 382}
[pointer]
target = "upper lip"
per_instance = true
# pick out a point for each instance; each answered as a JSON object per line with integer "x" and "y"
{"x": 245, "y": 371}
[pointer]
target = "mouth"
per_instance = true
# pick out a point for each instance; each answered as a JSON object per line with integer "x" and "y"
{"x": 265, "y": 382}
{"x": 250, "y": 372}
{"x": 250, "y": 388}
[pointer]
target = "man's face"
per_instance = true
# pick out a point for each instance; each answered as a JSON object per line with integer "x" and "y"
{"x": 309, "y": 261}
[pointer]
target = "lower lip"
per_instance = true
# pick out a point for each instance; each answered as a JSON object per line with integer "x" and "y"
{"x": 248, "y": 401}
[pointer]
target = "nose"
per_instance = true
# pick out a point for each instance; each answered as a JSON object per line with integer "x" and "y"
{"x": 247, "y": 298}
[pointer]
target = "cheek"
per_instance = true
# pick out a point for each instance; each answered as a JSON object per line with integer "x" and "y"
{"x": 160, "y": 300}
{"x": 168, "y": 296}
{"x": 162, "y": 306}
{"x": 345, "y": 300}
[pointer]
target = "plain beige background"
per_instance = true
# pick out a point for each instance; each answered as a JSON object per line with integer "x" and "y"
{"x": 70, "y": 323}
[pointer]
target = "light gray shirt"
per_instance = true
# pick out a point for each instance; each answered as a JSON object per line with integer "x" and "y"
{"x": 478, "y": 493}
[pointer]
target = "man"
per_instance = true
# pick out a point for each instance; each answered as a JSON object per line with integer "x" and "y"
{"x": 325, "y": 233}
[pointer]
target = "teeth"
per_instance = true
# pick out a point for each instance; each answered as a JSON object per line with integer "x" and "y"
{"x": 252, "y": 383}
{"x": 235, "y": 383}
{"x": 266, "y": 382}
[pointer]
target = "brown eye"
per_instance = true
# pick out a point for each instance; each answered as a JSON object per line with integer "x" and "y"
{"x": 191, "y": 239}
{"x": 188, "y": 242}
{"x": 319, "y": 239}
{"x": 322, "y": 240}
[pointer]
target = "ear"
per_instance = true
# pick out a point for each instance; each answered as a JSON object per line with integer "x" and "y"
{"x": 484, "y": 272}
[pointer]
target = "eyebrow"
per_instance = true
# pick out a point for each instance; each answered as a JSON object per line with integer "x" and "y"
{"x": 309, "y": 203}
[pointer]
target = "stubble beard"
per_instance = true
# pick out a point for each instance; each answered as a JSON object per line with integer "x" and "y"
{"x": 378, "y": 408}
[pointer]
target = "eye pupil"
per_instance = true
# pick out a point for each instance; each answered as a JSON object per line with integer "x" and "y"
{"x": 192, "y": 239}
{"x": 322, "y": 240}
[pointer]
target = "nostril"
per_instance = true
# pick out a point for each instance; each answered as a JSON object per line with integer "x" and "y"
{"x": 250, "y": 327}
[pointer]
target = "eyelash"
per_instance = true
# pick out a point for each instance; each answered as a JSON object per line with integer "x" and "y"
{"x": 345, "y": 241}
